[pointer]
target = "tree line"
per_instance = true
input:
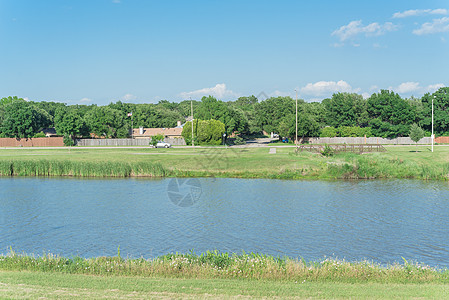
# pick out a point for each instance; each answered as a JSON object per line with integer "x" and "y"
{"x": 383, "y": 114}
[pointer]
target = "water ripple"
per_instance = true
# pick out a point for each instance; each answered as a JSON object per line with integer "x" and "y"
{"x": 376, "y": 220}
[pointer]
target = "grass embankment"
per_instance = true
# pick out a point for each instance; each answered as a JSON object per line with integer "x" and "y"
{"x": 215, "y": 274}
{"x": 397, "y": 162}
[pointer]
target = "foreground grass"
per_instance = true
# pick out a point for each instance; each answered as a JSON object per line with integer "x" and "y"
{"x": 397, "y": 162}
{"x": 34, "y": 285}
{"x": 214, "y": 274}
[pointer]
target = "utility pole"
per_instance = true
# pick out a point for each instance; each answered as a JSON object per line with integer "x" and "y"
{"x": 296, "y": 137}
{"x": 191, "y": 109}
{"x": 433, "y": 137}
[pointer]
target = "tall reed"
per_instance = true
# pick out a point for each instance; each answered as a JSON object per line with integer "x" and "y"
{"x": 214, "y": 264}
{"x": 79, "y": 168}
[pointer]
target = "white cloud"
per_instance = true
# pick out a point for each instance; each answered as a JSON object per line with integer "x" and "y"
{"x": 355, "y": 28}
{"x": 420, "y": 12}
{"x": 437, "y": 25}
{"x": 129, "y": 97}
{"x": 219, "y": 91}
{"x": 116, "y": 1}
{"x": 407, "y": 87}
{"x": 327, "y": 88}
{"x": 433, "y": 87}
{"x": 278, "y": 93}
{"x": 411, "y": 87}
{"x": 85, "y": 100}
{"x": 365, "y": 95}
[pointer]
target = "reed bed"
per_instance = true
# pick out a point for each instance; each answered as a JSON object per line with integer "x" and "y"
{"x": 80, "y": 168}
{"x": 214, "y": 264}
{"x": 353, "y": 166}
{"x": 248, "y": 165}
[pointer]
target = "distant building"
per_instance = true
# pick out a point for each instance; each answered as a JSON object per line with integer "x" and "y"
{"x": 50, "y": 132}
{"x": 139, "y": 133}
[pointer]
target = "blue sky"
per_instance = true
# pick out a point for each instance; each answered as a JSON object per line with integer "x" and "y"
{"x": 102, "y": 51}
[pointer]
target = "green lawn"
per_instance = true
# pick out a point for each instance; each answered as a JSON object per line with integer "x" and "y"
{"x": 34, "y": 285}
{"x": 397, "y": 162}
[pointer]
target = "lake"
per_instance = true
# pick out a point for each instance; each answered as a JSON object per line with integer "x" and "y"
{"x": 376, "y": 220}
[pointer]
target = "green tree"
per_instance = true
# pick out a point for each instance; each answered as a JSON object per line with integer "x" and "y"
{"x": 328, "y": 131}
{"x": 155, "y": 139}
{"x": 50, "y": 108}
{"x": 23, "y": 120}
{"x": 416, "y": 133}
{"x": 284, "y": 128}
{"x": 346, "y": 109}
{"x": 70, "y": 124}
{"x": 206, "y": 132}
{"x": 213, "y": 109}
{"x": 246, "y": 107}
{"x": 107, "y": 122}
{"x": 184, "y": 108}
{"x": 270, "y": 112}
{"x": 391, "y": 116}
{"x": 441, "y": 111}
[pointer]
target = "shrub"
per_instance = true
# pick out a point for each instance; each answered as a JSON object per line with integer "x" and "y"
{"x": 328, "y": 132}
{"x": 239, "y": 141}
{"x": 208, "y": 132}
{"x": 68, "y": 141}
{"x": 39, "y": 135}
{"x": 328, "y": 151}
{"x": 156, "y": 138}
{"x": 353, "y": 131}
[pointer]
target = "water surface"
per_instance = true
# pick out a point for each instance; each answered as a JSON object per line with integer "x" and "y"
{"x": 355, "y": 220}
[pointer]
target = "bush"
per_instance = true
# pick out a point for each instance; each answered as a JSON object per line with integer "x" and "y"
{"x": 328, "y": 132}
{"x": 328, "y": 151}
{"x": 39, "y": 135}
{"x": 239, "y": 141}
{"x": 155, "y": 139}
{"x": 68, "y": 141}
{"x": 208, "y": 132}
{"x": 353, "y": 131}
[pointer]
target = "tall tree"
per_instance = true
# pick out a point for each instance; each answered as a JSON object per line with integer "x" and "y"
{"x": 441, "y": 111}
{"x": 270, "y": 112}
{"x": 346, "y": 109}
{"x": 70, "y": 123}
{"x": 213, "y": 109}
{"x": 23, "y": 120}
{"x": 107, "y": 122}
{"x": 391, "y": 116}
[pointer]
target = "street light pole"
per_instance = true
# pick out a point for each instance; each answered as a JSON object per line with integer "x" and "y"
{"x": 433, "y": 137}
{"x": 191, "y": 110}
{"x": 296, "y": 136}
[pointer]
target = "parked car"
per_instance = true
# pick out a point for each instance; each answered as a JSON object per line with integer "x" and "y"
{"x": 162, "y": 144}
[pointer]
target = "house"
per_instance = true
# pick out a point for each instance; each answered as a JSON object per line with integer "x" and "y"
{"x": 50, "y": 132}
{"x": 139, "y": 133}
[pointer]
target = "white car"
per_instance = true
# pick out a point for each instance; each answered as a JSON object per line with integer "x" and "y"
{"x": 162, "y": 144}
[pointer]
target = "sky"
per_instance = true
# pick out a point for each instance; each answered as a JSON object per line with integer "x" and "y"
{"x": 143, "y": 51}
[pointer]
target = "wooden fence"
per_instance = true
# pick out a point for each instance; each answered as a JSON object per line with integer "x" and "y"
{"x": 356, "y": 148}
{"x": 32, "y": 142}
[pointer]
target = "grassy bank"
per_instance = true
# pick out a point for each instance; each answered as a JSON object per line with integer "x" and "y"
{"x": 397, "y": 162}
{"x": 229, "y": 266}
{"x": 214, "y": 275}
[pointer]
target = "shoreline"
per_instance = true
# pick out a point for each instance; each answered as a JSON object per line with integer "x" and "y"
{"x": 215, "y": 264}
{"x": 399, "y": 162}
{"x": 330, "y": 171}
